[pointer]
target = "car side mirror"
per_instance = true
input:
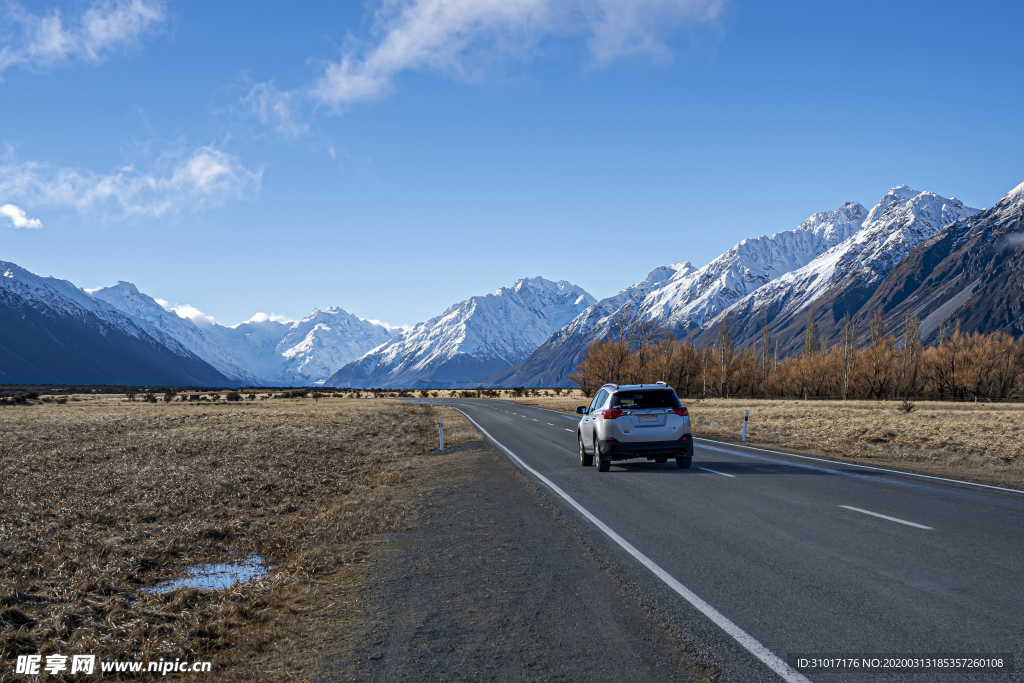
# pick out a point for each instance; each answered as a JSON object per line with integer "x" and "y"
{"x": 582, "y": 410}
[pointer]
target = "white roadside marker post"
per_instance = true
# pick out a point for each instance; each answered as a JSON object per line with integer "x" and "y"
{"x": 440, "y": 431}
{"x": 746, "y": 418}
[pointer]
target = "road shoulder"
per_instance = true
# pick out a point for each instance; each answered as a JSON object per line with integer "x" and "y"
{"x": 490, "y": 581}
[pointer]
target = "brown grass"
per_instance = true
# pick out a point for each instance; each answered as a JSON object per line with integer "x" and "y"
{"x": 101, "y": 499}
{"x": 982, "y": 442}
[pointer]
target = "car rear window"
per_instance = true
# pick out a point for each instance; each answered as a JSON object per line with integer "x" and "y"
{"x": 645, "y": 399}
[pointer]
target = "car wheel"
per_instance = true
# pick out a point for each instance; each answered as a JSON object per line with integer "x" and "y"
{"x": 684, "y": 463}
{"x": 585, "y": 460}
{"x": 661, "y": 461}
{"x": 602, "y": 464}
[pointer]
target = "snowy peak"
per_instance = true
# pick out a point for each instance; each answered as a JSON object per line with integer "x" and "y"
{"x": 178, "y": 334}
{"x": 837, "y": 224}
{"x": 901, "y": 220}
{"x": 61, "y": 296}
{"x": 1011, "y": 202}
{"x": 471, "y": 338}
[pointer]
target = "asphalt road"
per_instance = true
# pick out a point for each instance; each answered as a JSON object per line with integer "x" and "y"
{"x": 795, "y": 555}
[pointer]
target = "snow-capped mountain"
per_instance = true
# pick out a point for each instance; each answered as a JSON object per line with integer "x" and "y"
{"x": 470, "y": 339}
{"x": 171, "y": 330}
{"x": 304, "y": 352}
{"x": 53, "y": 332}
{"x": 972, "y": 271}
{"x": 684, "y": 297}
{"x": 843, "y": 278}
{"x": 258, "y": 352}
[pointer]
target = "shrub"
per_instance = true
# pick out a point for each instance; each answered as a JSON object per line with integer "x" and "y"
{"x": 150, "y": 397}
{"x": 234, "y": 396}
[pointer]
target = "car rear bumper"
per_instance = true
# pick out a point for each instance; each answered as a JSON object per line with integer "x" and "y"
{"x": 618, "y": 450}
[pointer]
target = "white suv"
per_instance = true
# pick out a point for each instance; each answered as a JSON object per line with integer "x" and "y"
{"x": 634, "y": 421}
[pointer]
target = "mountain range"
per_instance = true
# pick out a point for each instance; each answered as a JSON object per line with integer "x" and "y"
{"x": 470, "y": 339}
{"x": 913, "y": 252}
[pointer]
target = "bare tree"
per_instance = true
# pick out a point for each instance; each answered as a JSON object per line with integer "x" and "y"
{"x": 910, "y": 359}
{"x": 848, "y": 355}
{"x": 707, "y": 354}
{"x": 766, "y": 345}
{"x": 726, "y": 351}
{"x": 811, "y": 335}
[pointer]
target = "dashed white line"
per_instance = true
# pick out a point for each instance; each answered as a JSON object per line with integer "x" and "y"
{"x": 550, "y": 424}
{"x": 717, "y": 472}
{"x": 752, "y": 645}
{"x": 847, "y": 464}
{"x": 891, "y": 519}
{"x": 567, "y": 429}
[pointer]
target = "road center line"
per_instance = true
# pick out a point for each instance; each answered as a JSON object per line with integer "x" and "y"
{"x": 891, "y": 519}
{"x": 568, "y": 430}
{"x": 717, "y": 472}
{"x": 742, "y": 637}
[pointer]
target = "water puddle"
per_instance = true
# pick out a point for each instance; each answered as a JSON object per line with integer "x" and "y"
{"x": 217, "y": 576}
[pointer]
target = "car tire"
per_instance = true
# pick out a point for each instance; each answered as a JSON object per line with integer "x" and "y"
{"x": 602, "y": 464}
{"x": 684, "y": 463}
{"x": 661, "y": 461}
{"x": 585, "y": 460}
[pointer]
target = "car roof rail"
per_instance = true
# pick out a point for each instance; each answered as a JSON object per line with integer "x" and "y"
{"x": 664, "y": 384}
{"x": 609, "y": 384}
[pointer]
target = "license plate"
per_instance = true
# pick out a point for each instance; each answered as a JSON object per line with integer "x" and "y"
{"x": 648, "y": 418}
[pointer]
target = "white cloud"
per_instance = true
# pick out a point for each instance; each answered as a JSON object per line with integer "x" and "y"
{"x": 275, "y": 108}
{"x": 178, "y": 182}
{"x": 1011, "y": 241}
{"x": 194, "y": 314}
{"x": 454, "y": 35}
{"x": 393, "y": 329}
{"x": 163, "y": 302}
{"x": 264, "y": 317}
{"x": 18, "y": 217}
{"x": 47, "y": 41}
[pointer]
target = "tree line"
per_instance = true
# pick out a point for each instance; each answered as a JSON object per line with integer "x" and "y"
{"x": 959, "y": 366}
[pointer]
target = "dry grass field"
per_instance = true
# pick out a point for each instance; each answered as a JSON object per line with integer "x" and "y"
{"x": 981, "y": 442}
{"x": 102, "y": 499}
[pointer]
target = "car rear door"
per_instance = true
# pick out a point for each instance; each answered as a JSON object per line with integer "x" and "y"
{"x": 589, "y": 426}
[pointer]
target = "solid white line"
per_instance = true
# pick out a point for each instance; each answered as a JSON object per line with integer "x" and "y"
{"x": 891, "y": 519}
{"x": 863, "y": 467}
{"x": 717, "y": 472}
{"x": 739, "y": 635}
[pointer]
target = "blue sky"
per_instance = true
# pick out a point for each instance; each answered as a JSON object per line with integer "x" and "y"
{"x": 394, "y": 157}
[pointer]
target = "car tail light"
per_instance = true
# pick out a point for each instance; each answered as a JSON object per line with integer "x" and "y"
{"x": 611, "y": 414}
{"x": 686, "y": 437}
{"x": 681, "y": 412}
